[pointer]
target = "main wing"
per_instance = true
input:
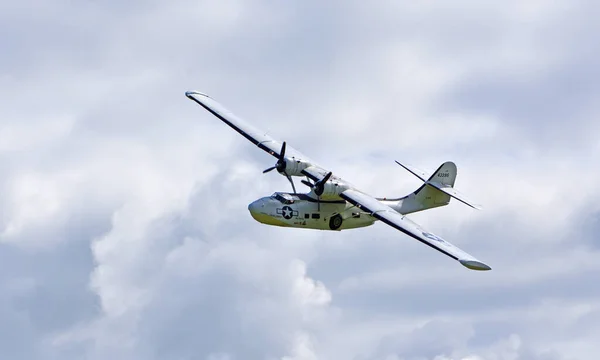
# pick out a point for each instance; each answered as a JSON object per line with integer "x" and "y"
{"x": 396, "y": 220}
{"x": 255, "y": 135}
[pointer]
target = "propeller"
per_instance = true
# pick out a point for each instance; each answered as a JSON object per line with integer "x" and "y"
{"x": 280, "y": 166}
{"x": 318, "y": 187}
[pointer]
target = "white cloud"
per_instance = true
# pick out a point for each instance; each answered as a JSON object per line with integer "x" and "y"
{"x": 302, "y": 349}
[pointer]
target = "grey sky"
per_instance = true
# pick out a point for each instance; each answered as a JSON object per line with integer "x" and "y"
{"x": 124, "y": 231}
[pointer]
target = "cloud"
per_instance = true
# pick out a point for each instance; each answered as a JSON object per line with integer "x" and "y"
{"x": 124, "y": 231}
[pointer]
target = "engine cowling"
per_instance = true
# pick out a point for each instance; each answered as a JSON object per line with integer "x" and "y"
{"x": 332, "y": 190}
{"x": 294, "y": 167}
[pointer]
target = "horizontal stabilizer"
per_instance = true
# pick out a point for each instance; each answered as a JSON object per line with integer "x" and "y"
{"x": 454, "y": 193}
{"x": 416, "y": 172}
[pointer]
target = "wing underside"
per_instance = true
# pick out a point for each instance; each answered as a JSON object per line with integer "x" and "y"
{"x": 400, "y": 222}
{"x": 251, "y": 133}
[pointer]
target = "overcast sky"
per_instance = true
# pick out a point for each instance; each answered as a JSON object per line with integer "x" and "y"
{"x": 124, "y": 229}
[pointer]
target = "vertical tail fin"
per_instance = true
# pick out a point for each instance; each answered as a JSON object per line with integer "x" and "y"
{"x": 430, "y": 196}
{"x": 444, "y": 175}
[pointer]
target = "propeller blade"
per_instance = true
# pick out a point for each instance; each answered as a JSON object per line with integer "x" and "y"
{"x": 269, "y": 169}
{"x": 282, "y": 152}
{"x": 320, "y": 185}
{"x": 307, "y": 183}
{"x": 324, "y": 180}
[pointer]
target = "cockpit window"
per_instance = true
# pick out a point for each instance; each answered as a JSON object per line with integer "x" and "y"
{"x": 283, "y": 198}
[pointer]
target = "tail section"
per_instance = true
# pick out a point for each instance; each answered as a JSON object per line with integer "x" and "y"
{"x": 436, "y": 191}
{"x": 444, "y": 175}
{"x": 429, "y": 196}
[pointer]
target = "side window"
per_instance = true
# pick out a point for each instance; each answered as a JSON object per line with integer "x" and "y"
{"x": 306, "y": 216}
{"x": 316, "y": 216}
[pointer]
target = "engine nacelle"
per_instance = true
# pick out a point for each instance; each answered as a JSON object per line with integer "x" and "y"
{"x": 332, "y": 190}
{"x": 294, "y": 167}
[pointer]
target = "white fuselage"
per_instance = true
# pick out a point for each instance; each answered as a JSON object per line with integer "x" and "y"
{"x": 303, "y": 211}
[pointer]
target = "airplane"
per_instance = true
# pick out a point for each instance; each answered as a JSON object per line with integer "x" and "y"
{"x": 334, "y": 203}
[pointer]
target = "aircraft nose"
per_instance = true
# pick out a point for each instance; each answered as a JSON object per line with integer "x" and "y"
{"x": 255, "y": 206}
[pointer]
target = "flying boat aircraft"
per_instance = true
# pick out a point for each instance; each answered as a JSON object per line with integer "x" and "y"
{"x": 335, "y": 204}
